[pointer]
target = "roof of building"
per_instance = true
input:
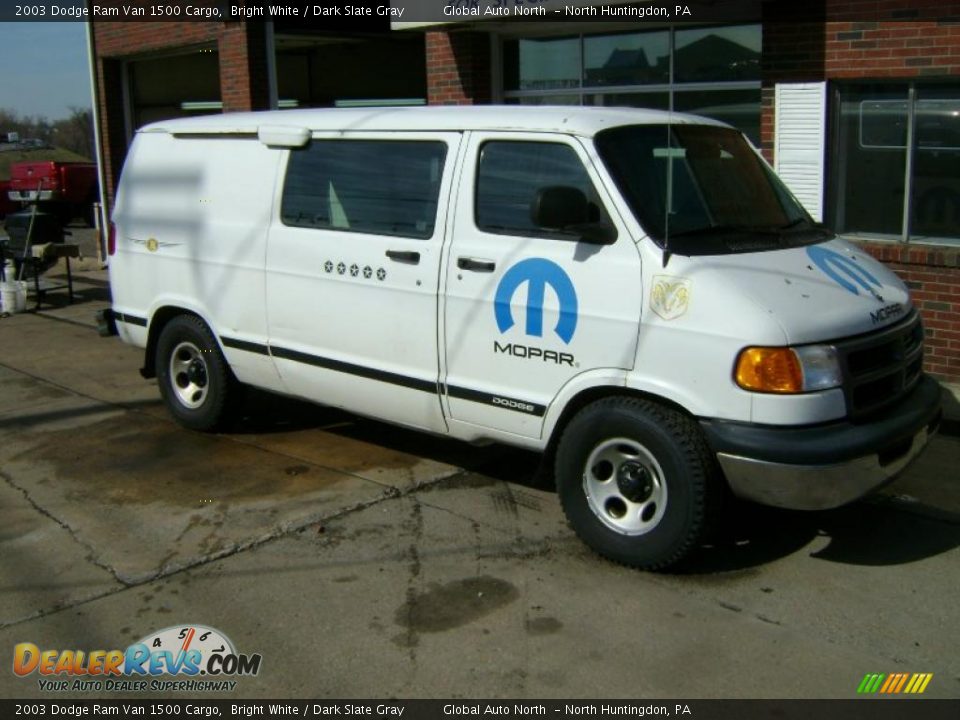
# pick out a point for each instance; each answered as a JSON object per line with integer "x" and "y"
{"x": 577, "y": 120}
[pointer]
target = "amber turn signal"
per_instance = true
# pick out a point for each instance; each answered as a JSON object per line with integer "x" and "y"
{"x": 772, "y": 370}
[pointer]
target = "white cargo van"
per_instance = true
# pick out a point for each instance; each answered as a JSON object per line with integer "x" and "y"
{"x": 634, "y": 293}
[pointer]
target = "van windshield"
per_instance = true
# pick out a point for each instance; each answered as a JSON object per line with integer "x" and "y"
{"x": 705, "y": 189}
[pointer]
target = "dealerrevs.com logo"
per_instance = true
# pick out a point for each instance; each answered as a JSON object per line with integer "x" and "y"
{"x": 197, "y": 657}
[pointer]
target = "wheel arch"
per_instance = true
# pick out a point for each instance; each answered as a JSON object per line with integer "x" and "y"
{"x": 158, "y": 321}
{"x": 591, "y": 394}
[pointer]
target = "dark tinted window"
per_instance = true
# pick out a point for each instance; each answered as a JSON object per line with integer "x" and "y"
{"x": 511, "y": 174}
{"x": 703, "y": 182}
{"x": 368, "y": 186}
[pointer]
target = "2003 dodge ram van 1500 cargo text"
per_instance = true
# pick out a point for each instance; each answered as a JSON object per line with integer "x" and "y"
{"x": 634, "y": 293}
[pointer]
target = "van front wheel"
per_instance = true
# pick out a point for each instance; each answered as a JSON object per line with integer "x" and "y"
{"x": 194, "y": 379}
{"x": 637, "y": 481}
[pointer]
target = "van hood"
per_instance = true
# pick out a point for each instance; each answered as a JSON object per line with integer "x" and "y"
{"x": 820, "y": 292}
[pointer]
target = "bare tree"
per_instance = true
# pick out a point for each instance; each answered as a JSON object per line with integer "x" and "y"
{"x": 76, "y": 132}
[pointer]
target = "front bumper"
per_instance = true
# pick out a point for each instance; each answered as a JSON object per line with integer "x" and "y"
{"x": 825, "y": 466}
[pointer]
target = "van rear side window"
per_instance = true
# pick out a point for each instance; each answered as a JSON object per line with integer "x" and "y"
{"x": 381, "y": 187}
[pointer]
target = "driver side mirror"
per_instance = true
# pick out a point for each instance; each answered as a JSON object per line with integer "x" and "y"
{"x": 566, "y": 208}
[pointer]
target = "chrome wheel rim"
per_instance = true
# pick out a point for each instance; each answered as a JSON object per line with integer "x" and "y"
{"x": 625, "y": 487}
{"x": 188, "y": 375}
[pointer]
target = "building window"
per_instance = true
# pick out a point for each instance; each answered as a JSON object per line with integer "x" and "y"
{"x": 712, "y": 71}
{"x": 896, "y": 173}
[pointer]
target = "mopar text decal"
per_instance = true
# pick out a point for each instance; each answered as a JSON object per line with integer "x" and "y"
{"x": 533, "y": 353}
{"x": 887, "y": 313}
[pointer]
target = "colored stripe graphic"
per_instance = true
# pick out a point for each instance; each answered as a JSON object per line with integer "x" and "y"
{"x": 891, "y": 681}
{"x": 919, "y": 682}
{"x": 871, "y": 683}
{"x": 894, "y": 683}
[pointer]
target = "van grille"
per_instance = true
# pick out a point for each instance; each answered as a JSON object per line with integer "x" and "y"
{"x": 882, "y": 367}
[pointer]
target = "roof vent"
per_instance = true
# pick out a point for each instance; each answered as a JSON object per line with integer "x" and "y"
{"x": 283, "y": 136}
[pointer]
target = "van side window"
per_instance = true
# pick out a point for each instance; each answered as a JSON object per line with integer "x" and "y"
{"x": 382, "y": 187}
{"x": 511, "y": 173}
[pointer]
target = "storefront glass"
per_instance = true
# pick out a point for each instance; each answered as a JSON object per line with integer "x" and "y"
{"x": 544, "y": 100}
{"x": 541, "y": 64}
{"x": 712, "y": 71}
{"x": 626, "y": 59}
{"x": 717, "y": 54}
{"x": 652, "y": 100}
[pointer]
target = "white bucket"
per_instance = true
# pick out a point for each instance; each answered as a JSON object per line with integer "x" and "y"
{"x": 13, "y": 296}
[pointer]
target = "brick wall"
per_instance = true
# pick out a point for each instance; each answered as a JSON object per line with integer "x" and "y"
{"x": 115, "y": 39}
{"x": 892, "y": 49}
{"x": 243, "y": 67}
{"x": 933, "y": 276}
{"x": 458, "y": 68}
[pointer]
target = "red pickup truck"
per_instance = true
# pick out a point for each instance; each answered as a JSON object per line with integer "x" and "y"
{"x": 67, "y": 189}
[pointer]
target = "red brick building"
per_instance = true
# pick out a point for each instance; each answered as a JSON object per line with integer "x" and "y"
{"x": 858, "y": 108}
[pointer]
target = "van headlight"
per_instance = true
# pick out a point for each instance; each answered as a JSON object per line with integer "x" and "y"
{"x": 788, "y": 369}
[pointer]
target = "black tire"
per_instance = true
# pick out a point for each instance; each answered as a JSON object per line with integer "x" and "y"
{"x": 637, "y": 482}
{"x": 195, "y": 380}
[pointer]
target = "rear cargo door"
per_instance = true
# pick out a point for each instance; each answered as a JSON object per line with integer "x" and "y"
{"x": 352, "y": 272}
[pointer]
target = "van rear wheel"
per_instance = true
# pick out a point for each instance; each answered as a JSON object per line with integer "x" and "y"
{"x": 637, "y": 482}
{"x": 195, "y": 381}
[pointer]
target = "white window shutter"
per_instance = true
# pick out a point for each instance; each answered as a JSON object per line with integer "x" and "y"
{"x": 799, "y": 141}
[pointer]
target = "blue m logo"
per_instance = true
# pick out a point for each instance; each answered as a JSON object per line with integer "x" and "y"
{"x": 537, "y": 273}
{"x": 842, "y": 270}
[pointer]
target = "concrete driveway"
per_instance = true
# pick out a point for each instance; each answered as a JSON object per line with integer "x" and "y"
{"x": 365, "y": 561}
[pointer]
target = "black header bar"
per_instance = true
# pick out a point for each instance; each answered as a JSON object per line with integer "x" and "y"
{"x": 423, "y": 13}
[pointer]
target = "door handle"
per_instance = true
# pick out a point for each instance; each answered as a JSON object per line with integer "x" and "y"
{"x": 476, "y": 264}
{"x": 404, "y": 256}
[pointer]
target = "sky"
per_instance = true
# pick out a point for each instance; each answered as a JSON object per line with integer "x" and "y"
{"x": 43, "y": 68}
